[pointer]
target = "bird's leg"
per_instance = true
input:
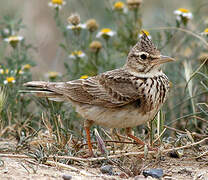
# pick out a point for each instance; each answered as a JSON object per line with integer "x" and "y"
{"x": 129, "y": 134}
{"x": 139, "y": 141}
{"x": 87, "y": 125}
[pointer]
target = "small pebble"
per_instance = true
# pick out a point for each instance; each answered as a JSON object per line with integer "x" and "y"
{"x": 67, "y": 177}
{"x": 107, "y": 169}
{"x": 176, "y": 154}
{"x": 155, "y": 173}
{"x": 5, "y": 171}
{"x": 173, "y": 154}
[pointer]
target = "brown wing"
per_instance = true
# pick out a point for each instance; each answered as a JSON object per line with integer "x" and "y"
{"x": 110, "y": 89}
{"x": 116, "y": 87}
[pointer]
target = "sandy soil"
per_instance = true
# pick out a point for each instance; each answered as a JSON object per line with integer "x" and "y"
{"x": 15, "y": 168}
{"x": 187, "y": 167}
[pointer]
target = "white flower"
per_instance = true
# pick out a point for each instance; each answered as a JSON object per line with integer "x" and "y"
{"x": 120, "y": 6}
{"x": 106, "y": 32}
{"x": 56, "y": 3}
{"x": 78, "y": 26}
{"x": 19, "y": 72}
{"x": 77, "y": 54}
{"x": 146, "y": 32}
{"x": 183, "y": 13}
{"x": 9, "y": 80}
{"x": 14, "y": 39}
{"x": 2, "y": 71}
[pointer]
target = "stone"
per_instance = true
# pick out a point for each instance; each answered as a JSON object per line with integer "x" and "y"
{"x": 155, "y": 173}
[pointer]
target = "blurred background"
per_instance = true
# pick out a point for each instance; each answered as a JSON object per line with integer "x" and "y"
{"x": 42, "y": 32}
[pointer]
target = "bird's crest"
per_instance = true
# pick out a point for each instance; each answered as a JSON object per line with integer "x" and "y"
{"x": 145, "y": 44}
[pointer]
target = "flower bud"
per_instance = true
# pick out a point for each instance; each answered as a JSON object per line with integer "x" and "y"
{"x": 134, "y": 4}
{"x": 92, "y": 25}
{"x": 74, "y": 19}
{"x": 95, "y": 46}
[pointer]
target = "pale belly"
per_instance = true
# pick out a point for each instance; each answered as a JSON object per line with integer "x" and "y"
{"x": 122, "y": 117}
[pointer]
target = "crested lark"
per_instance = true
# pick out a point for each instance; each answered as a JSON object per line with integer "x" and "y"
{"x": 121, "y": 98}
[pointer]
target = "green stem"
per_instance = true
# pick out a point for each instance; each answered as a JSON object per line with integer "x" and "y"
{"x": 90, "y": 37}
{"x": 107, "y": 51}
{"x": 76, "y": 66}
{"x": 135, "y": 15}
{"x": 96, "y": 62}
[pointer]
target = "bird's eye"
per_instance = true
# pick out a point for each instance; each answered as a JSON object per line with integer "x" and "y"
{"x": 143, "y": 56}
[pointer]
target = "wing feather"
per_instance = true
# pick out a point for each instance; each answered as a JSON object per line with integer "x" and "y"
{"x": 111, "y": 89}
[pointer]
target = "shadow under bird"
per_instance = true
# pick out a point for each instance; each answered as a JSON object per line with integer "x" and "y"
{"x": 121, "y": 98}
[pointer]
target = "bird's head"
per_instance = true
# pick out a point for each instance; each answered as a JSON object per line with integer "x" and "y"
{"x": 144, "y": 57}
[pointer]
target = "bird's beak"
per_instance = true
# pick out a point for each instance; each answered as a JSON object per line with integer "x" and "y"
{"x": 163, "y": 59}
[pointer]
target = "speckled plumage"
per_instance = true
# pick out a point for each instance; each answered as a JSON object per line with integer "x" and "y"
{"x": 124, "y": 97}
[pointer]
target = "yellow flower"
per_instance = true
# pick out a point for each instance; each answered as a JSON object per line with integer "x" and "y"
{"x": 10, "y": 79}
{"x": 13, "y": 40}
{"x": 4, "y": 71}
{"x": 92, "y": 25}
{"x": 105, "y": 30}
{"x": 105, "y": 33}
{"x": 77, "y": 54}
{"x": 183, "y": 15}
{"x": 76, "y": 27}
{"x": 26, "y": 67}
{"x": 146, "y": 32}
{"x": 84, "y": 77}
{"x": 95, "y": 46}
{"x": 56, "y": 3}
{"x": 134, "y": 4}
{"x": 183, "y": 10}
{"x": 53, "y": 74}
{"x": 205, "y": 32}
{"x": 119, "y": 5}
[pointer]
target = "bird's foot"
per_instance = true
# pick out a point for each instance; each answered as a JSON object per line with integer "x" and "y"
{"x": 89, "y": 154}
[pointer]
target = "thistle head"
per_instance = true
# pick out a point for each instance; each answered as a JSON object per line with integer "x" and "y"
{"x": 144, "y": 57}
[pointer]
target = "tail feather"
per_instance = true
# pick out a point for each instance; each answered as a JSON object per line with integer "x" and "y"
{"x": 41, "y": 89}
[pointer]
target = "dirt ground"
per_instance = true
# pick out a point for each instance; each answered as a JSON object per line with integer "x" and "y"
{"x": 15, "y": 167}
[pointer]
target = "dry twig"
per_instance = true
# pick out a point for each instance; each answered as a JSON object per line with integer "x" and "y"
{"x": 57, "y": 164}
{"x": 109, "y": 157}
